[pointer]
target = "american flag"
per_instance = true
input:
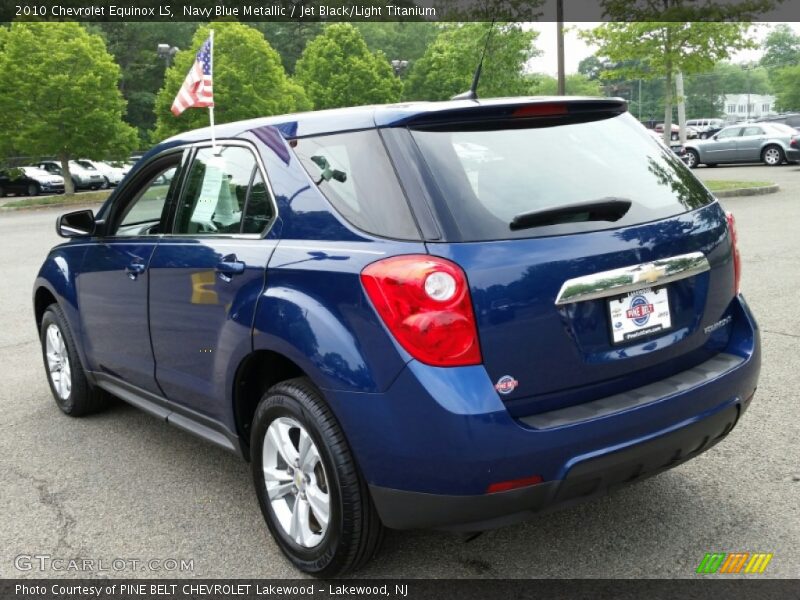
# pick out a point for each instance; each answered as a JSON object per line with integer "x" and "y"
{"x": 196, "y": 90}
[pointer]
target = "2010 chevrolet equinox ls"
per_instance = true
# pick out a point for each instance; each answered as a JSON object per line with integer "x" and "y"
{"x": 438, "y": 315}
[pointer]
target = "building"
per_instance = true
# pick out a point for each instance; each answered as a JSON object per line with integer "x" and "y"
{"x": 736, "y": 108}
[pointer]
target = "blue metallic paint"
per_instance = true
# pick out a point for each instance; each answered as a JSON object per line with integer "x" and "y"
{"x": 410, "y": 426}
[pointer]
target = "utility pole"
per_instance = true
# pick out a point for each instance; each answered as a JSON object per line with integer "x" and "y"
{"x": 681, "y": 107}
{"x": 562, "y": 84}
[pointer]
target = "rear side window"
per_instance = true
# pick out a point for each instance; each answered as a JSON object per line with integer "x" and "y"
{"x": 224, "y": 194}
{"x": 353, "y": 171}
{"x": 488, "y": 176}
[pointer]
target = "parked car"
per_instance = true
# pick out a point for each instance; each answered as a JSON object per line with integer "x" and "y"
{"x": 676, "y": 147}
{"x": 82, "y": 178}
{"x": 29, "y": 181}
{"x": 755, "y": 142}
{"x": 705, "y": 128}
{"x": 790, "y": 119}
{"x": 113, "y": 175}
{"x": 691, "y": 132}
{"x": 411, "y": 316}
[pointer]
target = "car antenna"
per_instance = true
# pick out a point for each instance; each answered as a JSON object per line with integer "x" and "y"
{"x": 472, "y": 92}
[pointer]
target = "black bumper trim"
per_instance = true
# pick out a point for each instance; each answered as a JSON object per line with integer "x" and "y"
{"x": 401, "y": 509}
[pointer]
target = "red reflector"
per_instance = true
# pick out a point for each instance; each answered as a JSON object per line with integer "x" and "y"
{"x": 504, "y": 486}
{"x": 540, "y": 110}
{"x": 737, "y": 259}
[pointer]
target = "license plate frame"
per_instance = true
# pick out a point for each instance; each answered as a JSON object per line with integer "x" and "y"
{"x": 639, "y": 315}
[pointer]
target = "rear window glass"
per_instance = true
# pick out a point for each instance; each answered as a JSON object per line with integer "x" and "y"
{"x": 486, "y": 177}
{"x": 354, "y": 172}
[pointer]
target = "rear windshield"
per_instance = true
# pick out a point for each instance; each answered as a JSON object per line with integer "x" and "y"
{"x": 486, "y": 177}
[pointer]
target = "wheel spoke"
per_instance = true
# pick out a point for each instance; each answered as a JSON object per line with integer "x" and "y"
{"x": 300, "y": 529}
{"x": 320, "y": 503}
{"x": 303, "y": 447}
{"x": 310, "y": 459}
{"x": 277, "y": 490}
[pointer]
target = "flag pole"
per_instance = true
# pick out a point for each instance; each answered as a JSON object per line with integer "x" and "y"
{"x": 211, "y": 108}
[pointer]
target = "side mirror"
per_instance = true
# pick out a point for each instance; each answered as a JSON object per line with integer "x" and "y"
{"x": 79, "y": 223}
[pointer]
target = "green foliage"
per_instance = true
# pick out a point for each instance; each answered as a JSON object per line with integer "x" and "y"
{"x": 133, "y": 45}
{"x": 448, "y": 64}
{"x": 58, "y": 90}
{"x": 249, "y": 81}
{"x": 787, "y": 88}
{"x": 404, "y": 40}
{"x": 576, "y": 84}
{"x": 338, "y": 69}
{"x": 781, "y": 48}
{"x": 289, "y": 38}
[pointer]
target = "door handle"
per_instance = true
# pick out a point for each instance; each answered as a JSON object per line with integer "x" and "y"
{"x": 135, "y": 268}
{"x": 230, "y": 266}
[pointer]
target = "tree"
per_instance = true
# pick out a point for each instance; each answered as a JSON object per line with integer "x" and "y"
{"x": 670, "y": 36}
{"x": 289, "y": 38}
{"x": 781, "y": 48}
{"x": 577, "y": 84}
{"x": 403, "y": 40}
{"x": 787, "y": 88}
{"x": 448, "y": 64}
{"x": 249, "y": 81}
{"x": 338, "y": 69}
{"x": 58, "y": 90}
{"x": 133, "y": 45}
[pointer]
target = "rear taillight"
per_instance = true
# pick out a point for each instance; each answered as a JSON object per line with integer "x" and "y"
{"x": 795, "y": 142}
{"x": 737, "y": 259}
{"x": 425, "y": 303}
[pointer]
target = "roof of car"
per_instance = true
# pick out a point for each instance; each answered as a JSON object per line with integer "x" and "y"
{"x": 383, "y": 115}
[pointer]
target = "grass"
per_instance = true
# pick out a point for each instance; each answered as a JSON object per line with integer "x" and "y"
{"x": 717, "y": 185}
{"x": 60, "y": 200}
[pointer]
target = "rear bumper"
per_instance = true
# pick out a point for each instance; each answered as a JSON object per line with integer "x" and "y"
{"x": 587, "y": 479}
{"x": 430, "y": 446}
{"x": 792, "y": 154}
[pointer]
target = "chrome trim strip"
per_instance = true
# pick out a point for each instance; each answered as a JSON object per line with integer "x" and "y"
{"x": 629, "y": 279}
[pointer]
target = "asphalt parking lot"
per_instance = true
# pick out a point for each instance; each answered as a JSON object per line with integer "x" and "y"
{"x": 122, "y": 484}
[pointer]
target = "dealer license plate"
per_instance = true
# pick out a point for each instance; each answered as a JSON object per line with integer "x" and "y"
{"x": 639, "y": 315}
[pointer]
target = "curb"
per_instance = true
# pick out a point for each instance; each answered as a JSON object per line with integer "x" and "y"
{"x": 43, "y": 206}
{"x": 754, "y": 191}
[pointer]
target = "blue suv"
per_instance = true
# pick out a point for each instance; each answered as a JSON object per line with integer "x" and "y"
{"x": 437, "y": 315}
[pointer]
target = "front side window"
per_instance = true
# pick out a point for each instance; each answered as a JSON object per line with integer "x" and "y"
{"x": 729, "y": 133}
{"x": 353, "y": 171}
{"x": 224, "y": 194}
{"x": 142, "y": 215}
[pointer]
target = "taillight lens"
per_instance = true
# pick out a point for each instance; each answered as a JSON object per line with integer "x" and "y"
{"x": 425, "y": 303}
{"x": 737, "y": 259}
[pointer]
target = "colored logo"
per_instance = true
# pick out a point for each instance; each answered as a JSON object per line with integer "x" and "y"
{"x": 640, "y": 310}
{"x": 506, "y": 384}
{"x": 734, "y": 562}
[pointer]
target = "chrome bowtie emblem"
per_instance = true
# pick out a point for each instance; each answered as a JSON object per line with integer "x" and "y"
{"x": 649, "y": 273}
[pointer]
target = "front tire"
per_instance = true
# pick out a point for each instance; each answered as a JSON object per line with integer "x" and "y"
{"x": 772, "y": 156}
{"x": 692, "y": 158}
{"x": 33, "y": 189}
{"x": 315, "y": 501}
{"x": 73, "y": 393}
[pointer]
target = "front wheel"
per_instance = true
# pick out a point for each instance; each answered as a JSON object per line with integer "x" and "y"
{"x": 73, "y": 393}
{"x": 692, "y": 159}
{"x": 315, "y": 501}
{"x": 772, "y": 156}
{"x": 33, "y": 189}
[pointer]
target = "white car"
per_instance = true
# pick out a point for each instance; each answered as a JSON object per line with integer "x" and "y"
{"x": 82, "y": 178}
{"x": 112, "y": 174}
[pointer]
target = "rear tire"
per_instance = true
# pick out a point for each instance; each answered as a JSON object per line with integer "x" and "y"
{"x": 73, "y": 393}
{"x": 772, "y": 156}
{"x": 2, "y": 192}
{"x": 318, "y": 541}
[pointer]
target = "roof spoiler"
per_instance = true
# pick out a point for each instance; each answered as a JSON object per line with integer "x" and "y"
{"x": 557, "y": 108}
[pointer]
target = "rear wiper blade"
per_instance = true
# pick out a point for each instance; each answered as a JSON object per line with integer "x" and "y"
{"x": 602, "y": 209}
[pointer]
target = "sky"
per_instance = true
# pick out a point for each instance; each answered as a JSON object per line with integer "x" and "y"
{"x": 576, "y": 49}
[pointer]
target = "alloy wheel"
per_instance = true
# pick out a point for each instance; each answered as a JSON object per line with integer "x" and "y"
{"x": 772, "y": 156}
{"x": 58, "y": 362}
{"x": 297, "y": 486}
